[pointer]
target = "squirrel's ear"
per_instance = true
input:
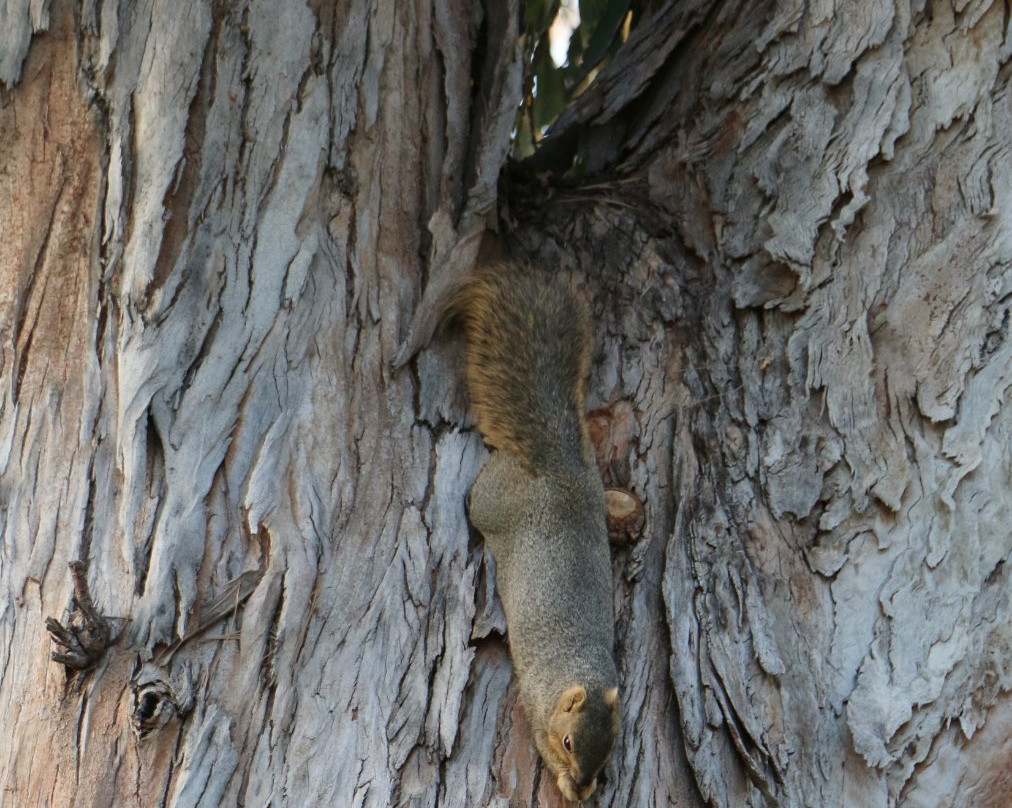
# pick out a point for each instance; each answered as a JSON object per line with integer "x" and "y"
{"x": 611, "y": 698}
{"x": 572, "y": 699}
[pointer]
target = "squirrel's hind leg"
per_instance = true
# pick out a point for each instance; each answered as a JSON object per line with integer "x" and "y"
{"x": 500, "y": 496}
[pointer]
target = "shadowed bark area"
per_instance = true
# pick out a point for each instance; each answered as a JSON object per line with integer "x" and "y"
{"x": 794, "y": 224}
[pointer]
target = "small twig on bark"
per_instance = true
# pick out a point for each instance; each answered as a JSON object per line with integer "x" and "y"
{"x": 159, "y": 696}
{"x": 232, "y": 596}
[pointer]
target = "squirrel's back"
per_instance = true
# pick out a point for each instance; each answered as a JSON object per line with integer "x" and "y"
{"x": 528, "y": 339}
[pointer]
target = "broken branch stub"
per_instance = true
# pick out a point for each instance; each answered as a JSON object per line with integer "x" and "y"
{"x": 88, "y": 632}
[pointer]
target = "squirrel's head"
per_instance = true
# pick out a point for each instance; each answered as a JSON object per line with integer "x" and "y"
{"x": 579, "y": 736}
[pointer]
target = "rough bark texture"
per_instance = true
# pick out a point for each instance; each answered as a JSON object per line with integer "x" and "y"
{"x": 219, "y": 219}
{"x": 820, "y": 288}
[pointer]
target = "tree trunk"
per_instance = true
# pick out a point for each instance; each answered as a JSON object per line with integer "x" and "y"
{"x": 795, "y": 222}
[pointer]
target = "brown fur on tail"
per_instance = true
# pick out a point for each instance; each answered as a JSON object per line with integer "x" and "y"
{"x": 528, "y": 350}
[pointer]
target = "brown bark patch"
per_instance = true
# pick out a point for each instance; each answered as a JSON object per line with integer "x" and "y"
{"x": 48, "y": 188}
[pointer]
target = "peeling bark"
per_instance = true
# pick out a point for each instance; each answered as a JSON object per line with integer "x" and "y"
{"x": 222, "y": 222}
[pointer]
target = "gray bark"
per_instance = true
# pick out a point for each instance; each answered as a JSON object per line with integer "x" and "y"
{"x": 795, "y": 223}
{"x": 821, "y": 300}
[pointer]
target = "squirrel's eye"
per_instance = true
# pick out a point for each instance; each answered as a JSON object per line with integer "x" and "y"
{"x": 566, "y": 742}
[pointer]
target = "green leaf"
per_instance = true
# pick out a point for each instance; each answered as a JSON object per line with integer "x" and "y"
{"x": 599, "y": 29}
{"x": 538, "y": 16}
{"x": 551, "y": 94}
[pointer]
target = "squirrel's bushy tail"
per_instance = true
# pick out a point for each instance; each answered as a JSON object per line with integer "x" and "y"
{"x": 528, "y": 343}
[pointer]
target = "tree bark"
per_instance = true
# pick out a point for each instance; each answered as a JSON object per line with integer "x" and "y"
{"x": 228, "y": 220}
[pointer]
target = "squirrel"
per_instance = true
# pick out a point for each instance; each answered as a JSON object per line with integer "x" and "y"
{"x": 539, "y": 503}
